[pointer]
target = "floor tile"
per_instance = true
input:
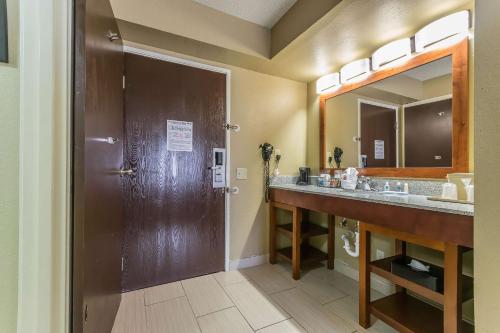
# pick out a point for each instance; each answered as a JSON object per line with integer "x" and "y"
{"x": 227, "y": 278}
{"x": 224, "y": 321}
{"x": 320, "y": 289}
{"x": 287, "y": 326}
{"x": 257, "y": 308}
{"x": 131, "y": 316}
{"x": 268, "y": 278}
{"x": 347, "y": 308}
{"x": 163, "y": 293}
{"x": 310, "y": 314}
{"x": 205, "y": 295}
{"x": 173, "y": 316}
{"x": 344, "y": 283}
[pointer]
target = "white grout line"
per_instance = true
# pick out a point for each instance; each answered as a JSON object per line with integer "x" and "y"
{"x": 190, "y": 306}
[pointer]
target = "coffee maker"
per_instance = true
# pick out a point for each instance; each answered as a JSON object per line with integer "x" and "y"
{"x": 304, "y": 173}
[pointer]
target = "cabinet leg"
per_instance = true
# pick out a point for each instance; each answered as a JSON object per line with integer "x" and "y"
{"x": 272, "y": 234}
{"x": 331, "y": 242}
{"x": 452, "y": 288}
{"x": 364, "y": 276}
{"x": 400, "y": 250}
{"x": 296, "y": 238}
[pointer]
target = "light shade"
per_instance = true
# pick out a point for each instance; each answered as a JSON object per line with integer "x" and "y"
{"x": 327, "y": 82}
{"x": 391, "y": 53}
{"x": 439, "y": 30}
{"x": 354, "y": 70}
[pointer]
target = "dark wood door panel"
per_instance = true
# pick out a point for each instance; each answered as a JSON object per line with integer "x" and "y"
{"x": 174, "y": 218}
{"x": 378, "y": 123}
{"x": 428, "y": 134}
{"x": 97, "y": 196}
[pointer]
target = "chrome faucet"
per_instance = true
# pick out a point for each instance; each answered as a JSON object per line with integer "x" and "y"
{"x": 365, "y": 184}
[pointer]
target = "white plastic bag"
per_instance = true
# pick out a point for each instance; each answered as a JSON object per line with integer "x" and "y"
{"x": 349, "y": 178}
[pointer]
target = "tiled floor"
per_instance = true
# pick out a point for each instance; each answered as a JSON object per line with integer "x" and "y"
{"x": 263, "y": 299}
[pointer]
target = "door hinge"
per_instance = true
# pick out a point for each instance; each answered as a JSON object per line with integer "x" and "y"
{"x": 86, "y": 313}
{"x": 112, "y": 36}
{"x": 232, "y": 127}
{"x": 232, "y": 190}
{"x": 124, "y": 82}
{"x": 123, "y": 263}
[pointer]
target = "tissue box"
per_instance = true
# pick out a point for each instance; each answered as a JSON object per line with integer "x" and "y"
{"x": 432, "y": 279}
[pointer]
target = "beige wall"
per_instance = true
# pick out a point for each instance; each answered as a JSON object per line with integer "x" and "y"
{"x": 437, "y": 87}
{"x": 9, "y": 174}
{"x": 299, "y": 18}
{"x": 268, "y": 109}
{"x": 342, "y": 124}
{"x": 487, "y": 155}
{"x": 195, "y": 21}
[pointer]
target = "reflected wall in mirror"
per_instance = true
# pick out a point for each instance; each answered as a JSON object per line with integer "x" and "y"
{"x": 401, "y": 121}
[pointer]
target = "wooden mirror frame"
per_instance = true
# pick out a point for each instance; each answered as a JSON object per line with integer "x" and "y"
{"x": 460, "y": 112}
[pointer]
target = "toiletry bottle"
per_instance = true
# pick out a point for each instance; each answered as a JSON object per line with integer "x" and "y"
{"x": 398, "y": 187}
{"x": 387, "y": 187}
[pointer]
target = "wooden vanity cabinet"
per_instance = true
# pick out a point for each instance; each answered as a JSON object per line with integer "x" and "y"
{"x": 407, "y": 310}
{"x": 299, "y": 232}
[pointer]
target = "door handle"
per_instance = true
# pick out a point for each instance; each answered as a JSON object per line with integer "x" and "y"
{"x": 111, "y": 140}
{"x": 124, "y": 172}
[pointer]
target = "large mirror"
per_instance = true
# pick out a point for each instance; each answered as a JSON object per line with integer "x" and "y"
{"x": 402, "y": 121}
{"x": 411, "y": 121}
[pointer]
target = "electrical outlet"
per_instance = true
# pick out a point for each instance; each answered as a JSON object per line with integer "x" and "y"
{"x": 379, "y": 254}
{"x": 241, "y": 173}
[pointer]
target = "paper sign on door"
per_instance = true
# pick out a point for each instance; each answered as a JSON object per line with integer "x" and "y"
{"x": 179, "y": 135}
{"x": 379, "y": 149}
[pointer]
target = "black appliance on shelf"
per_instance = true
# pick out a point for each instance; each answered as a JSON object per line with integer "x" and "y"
{"x": 304, "y": 176}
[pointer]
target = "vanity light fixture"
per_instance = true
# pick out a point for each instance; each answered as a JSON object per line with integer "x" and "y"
{"x": 432, "y": 35}
{"x": 355, "y": 70}
{"x": 327, "y": 82}
{"x": 391, "y": 54}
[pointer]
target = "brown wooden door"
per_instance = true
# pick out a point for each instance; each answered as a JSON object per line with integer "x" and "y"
{"x": 174, "y": 218}
{"x": 97, "y": 196}
{"x": 378, "y": 127}
{"x": 428, "y": 134}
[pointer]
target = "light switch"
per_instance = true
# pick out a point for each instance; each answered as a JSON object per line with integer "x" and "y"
{"x": 241, "y": 173}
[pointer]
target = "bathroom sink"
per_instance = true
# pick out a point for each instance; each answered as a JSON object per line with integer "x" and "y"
{"x": 393, "y": 193}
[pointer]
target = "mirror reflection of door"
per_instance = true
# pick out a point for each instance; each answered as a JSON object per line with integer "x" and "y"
{"x": 378, "y": 134}
{"x": 428, "y": 133}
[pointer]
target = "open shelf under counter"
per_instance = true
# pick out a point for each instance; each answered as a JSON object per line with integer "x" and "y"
{"x": 409, "y": 314}
{"x": 308, "y": 230}
{"x": 308, "y": 254}
{"x": 383, "y": 268}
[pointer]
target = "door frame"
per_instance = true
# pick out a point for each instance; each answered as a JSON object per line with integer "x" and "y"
{"x": 383, "y": 105}
{"x": 227, "y": 73}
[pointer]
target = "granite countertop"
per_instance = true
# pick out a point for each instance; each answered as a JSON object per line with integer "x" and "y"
{"x": 410, "y": 200}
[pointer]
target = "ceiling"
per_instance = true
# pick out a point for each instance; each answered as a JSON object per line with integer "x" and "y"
{"x": 353, "y": 29}
{"x": 431, "y": 70}
{"x": 262, "y": 12}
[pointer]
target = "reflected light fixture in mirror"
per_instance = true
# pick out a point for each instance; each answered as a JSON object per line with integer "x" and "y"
{"x": 391, "y": 54}
{"x": 434, "y": 34}
{"x": 328, "y": 83}
{"x": 355, "y": 71}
